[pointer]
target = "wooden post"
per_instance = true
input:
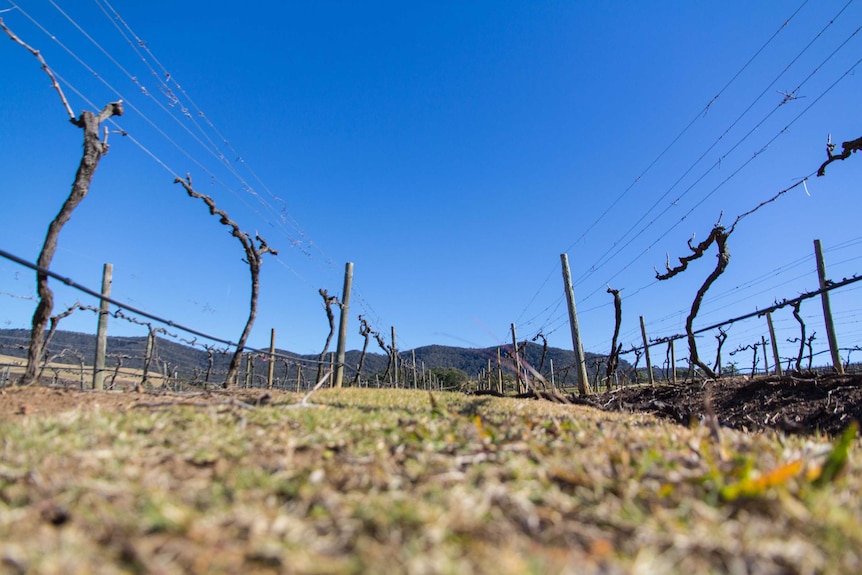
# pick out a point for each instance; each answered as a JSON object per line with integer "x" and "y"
{"x": 249, "y": 367}
{"x": 553, "y": 384}
{"x": 517, "y": 358}
{"x": 424, "y": 377}
{"x": 672, "y": 360}
{"x": 499, "y": 373}
{"x": 413, "y": 356}
{"x": 342, "y": 325}
{"x": 765, "y": 356}
{"x": 394, "y": 360}
{"x": 148, "y": 357}
{"x": 102, "y": 330}
{"x": 580, "y": 360}
{"x": 646, "y": 352}
{"x": 270, "y": 375}
{"x": 774, "y": 345}
{"x": 827, "y": 309}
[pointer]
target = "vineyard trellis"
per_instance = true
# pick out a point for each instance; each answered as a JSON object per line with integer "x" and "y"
{"x": 145, "y": 369}
{"x": 793, "y": 303}
{"x": 95, "y": 148}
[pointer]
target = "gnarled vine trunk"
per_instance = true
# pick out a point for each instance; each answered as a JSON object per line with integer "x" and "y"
{"x": 94, "y": 149}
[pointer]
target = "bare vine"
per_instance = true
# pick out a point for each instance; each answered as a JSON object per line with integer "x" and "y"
{"x": 667, "y": 361}
{"x": 120, "y": 357}
{"x": 94, "y": 149}
{"x": 638, "y": 354}
{"x": 614, "y": 357}
{"x": 386, "y": 349}
{"x": 849, "y": 351}
{"x": 45, "y": 67}
{"x": 328, "y": 300}
{"x": 847, "y": 148}
{"x": 55, "y": 321}
{"x": 148, "y": 357}
{"x": 364, "y": 331}
{"x": 720, "y": 339}
{"x": 253, "y": 259}
{"x": 801, "y": 338}
{"x": 809, "y": 343}
{"x": 544, "y": 349}
{"x": 718, "y": 235}
{"x": 752, "y": 346}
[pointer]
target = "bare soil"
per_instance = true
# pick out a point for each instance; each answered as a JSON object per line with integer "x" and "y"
{"x": 45, "y": 401}
{"x": 800, "y": 404}
{"x": 807, "y": 404}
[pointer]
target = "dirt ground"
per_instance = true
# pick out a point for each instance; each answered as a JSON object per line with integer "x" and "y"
{"x": 792, "y": 404}
{"x": 38, "y": 400}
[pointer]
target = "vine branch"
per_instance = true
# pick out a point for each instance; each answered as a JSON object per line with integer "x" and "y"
{"x": 253, "y": 258}
{"x": 328, "y": 300}
{"x": 718, "y": 235}
{"x": 46, "y": 68}
{"x": 847, "y": 148}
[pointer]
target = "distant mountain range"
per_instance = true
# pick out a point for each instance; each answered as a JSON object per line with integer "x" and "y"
{"x": 191, "y": 361}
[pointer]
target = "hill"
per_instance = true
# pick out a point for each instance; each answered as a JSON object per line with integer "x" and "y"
{"x": 193, "y": 362}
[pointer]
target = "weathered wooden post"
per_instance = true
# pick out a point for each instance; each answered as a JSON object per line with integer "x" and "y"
{"x": 249, "y": 370}
{"x": 413, "y": 358}
{"x": 499, "y": 373}
{"x": 342, "y": 325}
{"x": 148, "y": 357}
{"x": 646, "y": 352}
{"x": 394, "y": 370}
{"x": 827, "y": 309}
{"x": 580, "y": 360}
{"x": 765, "y": 356}
{"x": 102, "y": 329}
{"x": 774, "y": 344}
{"x": 672, "y": 361}
{"x": 270, "y": 376}
{"x": 516, "y": 358}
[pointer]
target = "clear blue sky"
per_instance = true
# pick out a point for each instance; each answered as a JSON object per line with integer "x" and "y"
{"x": 451, "y": 150}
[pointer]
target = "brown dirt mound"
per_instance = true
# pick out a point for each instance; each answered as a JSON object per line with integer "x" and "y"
{"x": 793, "y": 404}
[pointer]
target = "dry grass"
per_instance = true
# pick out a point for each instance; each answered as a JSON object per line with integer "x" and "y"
{"x": 73, "y": 374}
{"x": 377, "y": 481}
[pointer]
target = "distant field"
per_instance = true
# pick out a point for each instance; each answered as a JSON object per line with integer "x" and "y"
{"x": 70, "y": 373}
{"x": 370, "y": 481}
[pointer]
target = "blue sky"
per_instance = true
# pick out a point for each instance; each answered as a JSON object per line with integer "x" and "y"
{"x": 451, "y": 150}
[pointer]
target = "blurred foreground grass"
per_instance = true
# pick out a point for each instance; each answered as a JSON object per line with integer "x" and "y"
{"x": 395, "y": 481}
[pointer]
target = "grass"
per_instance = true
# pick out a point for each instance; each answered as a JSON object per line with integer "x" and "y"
{"x": 391, "y": 481}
